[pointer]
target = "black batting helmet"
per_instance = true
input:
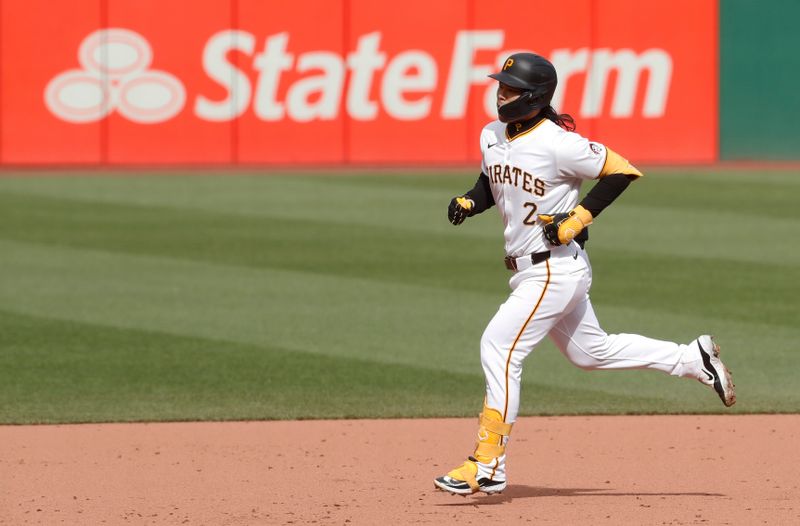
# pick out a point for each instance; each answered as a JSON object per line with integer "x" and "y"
{"x": 535, "y": 76}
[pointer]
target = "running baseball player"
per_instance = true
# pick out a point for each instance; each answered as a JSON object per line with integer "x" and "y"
{"x": 532, "y": 168}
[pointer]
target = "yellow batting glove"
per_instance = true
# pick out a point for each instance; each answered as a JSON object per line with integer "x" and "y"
{"x": 561, "y": 229}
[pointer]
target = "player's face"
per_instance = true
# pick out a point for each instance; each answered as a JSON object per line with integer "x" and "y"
{"x": 506, "y": 94}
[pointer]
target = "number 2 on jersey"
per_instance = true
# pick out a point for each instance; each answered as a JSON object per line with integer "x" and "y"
{"x": 530, "y": 220}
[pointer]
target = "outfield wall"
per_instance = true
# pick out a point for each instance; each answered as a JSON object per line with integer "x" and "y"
{"x": 760, "y": 75}
{"x": 342, "y": 82}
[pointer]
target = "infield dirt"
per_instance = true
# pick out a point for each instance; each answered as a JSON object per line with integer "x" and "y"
{"x": 562, "y": 470}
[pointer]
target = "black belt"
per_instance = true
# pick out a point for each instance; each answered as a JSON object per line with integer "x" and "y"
{"x": 538, "y": 257}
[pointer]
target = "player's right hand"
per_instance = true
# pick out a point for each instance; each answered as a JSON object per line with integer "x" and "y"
{"x": 459, "y": 209}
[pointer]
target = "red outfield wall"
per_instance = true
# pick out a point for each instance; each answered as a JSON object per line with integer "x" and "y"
{"x": 330, "y": 82}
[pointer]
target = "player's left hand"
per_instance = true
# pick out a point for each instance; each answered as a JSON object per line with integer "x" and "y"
{"x": 459, "y": 209}
{"x": 561, "y": 229}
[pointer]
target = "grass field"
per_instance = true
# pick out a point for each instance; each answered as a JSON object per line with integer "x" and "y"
{"x": 193, "y": 297}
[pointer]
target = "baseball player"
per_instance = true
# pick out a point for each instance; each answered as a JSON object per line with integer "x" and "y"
{"x": 532, "y": 169}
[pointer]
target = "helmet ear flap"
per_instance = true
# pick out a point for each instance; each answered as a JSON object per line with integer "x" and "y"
{"x": 539, "y": 98}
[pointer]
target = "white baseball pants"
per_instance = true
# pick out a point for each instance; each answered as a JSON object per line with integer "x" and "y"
{"x": 552, "y": 298}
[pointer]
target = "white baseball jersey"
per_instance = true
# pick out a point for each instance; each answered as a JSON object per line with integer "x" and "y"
{"x": 538, "y": 171}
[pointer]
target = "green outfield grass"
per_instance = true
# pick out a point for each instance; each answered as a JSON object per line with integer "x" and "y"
{"x": 191, "y": 297}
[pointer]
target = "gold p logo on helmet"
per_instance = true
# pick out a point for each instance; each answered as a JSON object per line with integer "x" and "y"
{"x": 508, "y": 64}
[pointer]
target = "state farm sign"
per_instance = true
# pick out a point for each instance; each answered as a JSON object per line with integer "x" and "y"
{"x": 386, "y": 89}
{"x": 115, "y": 76}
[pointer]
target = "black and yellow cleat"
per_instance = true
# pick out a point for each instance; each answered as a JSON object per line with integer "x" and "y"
{"x": 462, "y": 481}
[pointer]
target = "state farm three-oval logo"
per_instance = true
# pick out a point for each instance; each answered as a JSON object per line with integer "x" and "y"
{"x": 115, "y": 76}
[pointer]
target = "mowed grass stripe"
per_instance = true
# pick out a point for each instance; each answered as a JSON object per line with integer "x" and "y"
{"x": 335, "y": 200}
{"x": 745, "y": 193}
{"x": 417, "y": 326}
{"x": 682, "y": 282}
{"x": 106, "y": 374}
{"x": 673, "y": 210}
{"x": 320, "y": 313}
{"x": 314, "y": 246}
{"x": 188, "y": 296}
{"x": 729, "y": 192}
{"x": 712, "y": 288}
{"x": 404, "y": 201}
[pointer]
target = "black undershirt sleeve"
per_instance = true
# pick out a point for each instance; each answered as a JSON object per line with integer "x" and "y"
{"x": 605, "y": 191}
{"x": 481, "y": 194}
